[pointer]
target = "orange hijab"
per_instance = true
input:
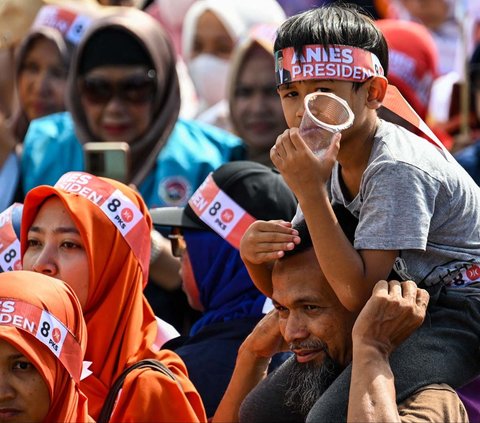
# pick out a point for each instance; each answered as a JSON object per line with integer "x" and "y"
{"x": 28, "y": 295}
{"x": 121, "y": 324}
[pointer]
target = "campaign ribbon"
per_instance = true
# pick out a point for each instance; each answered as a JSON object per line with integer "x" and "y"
{"x": 47, "y": 328}
{"x": 332, "y": 62}
{"x": 70, "y": 24}
{"x": 345, "y": 63}
{"x": 220, "y": 212}
{"x": 9, "y": 242}
{"x": 118, "y": 208}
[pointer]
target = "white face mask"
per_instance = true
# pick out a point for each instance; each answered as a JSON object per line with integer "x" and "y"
{"x": 209, "y": 75}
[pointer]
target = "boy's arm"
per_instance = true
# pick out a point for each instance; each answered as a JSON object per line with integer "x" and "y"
{"x": 251, "y": 367}
{"x": 393, "y": 312}
{"x": 351, "y": 273}
{"x": 262, "y": 243}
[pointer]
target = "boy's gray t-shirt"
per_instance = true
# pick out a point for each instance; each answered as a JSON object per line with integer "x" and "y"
{"x": 414, "y": 199}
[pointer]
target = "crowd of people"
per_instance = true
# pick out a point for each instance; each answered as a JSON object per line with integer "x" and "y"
{"x": 173, "y": 250}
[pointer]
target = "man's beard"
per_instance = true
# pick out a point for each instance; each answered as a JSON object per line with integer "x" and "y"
{"x": 308, "y": 381}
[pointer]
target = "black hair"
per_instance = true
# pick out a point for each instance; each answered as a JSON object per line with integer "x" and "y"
{"x": 348, "y": 222}
{"x": 338, "y": 23}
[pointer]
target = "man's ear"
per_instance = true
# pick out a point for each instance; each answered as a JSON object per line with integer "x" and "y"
{"x": 377, "y": 87}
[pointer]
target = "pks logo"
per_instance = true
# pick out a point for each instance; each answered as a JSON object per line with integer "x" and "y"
{"x": 127, "y": 215}
{"x": 473, "y": 273}
{"x": 56, "y": 335}
{"x": 227, "y": 215}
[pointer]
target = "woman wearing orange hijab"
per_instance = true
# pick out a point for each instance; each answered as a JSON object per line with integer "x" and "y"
{"x": 42, "y": 343}
{"x": 94, "y": 233}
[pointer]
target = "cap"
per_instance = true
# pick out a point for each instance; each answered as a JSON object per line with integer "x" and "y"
{"x": 235, "y": 189}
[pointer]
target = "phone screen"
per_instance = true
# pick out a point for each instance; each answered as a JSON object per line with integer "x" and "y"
{"x": 110, "y": 160}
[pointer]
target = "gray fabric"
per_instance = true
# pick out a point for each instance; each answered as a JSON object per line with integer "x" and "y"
{"x": 415, "y": 200}
{"x": 266, "y": 402}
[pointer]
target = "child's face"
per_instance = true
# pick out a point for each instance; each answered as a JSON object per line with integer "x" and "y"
{"x": 293, "y": 94}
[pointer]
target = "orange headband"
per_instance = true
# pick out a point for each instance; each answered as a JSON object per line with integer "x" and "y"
{"x": 347, "y": 63}
{"x": 333, "y": 62}
{"x": 44, "y": 326}
{"x": 118, "y": 208}
{"x": 9, "y": 243}
{"x": 72, "y": 25}
{"x": 220, "y": 212}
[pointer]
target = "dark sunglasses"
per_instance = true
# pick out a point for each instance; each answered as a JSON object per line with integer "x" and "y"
{"x": 177, "y": 242}
{"x": 136, "y": 89}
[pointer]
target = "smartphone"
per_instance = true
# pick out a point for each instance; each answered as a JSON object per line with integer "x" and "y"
{"x": 108, "y": 159}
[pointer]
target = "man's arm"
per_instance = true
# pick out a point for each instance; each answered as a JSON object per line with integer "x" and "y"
{"x": 251, "y": 367}
{"x": 392, "y": 313}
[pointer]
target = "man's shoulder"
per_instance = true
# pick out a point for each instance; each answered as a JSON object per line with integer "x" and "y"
{"x": 434, "y": 403}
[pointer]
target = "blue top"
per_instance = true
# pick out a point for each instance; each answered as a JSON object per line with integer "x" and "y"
{"x": 194, "y": 149}
{"x": 469, "y": 158}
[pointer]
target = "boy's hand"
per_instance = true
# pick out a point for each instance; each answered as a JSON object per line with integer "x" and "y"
{"x": 301, "y": 169}
{"x": 265, "y": 241}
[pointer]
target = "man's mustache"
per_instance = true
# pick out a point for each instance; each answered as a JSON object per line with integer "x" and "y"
{"x": 310, "y": 344}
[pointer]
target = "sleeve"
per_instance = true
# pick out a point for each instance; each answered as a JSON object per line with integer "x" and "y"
{"x": 150, "y": 396}
{"x": 398, "y": 202}
{"x": 433, "y": 403}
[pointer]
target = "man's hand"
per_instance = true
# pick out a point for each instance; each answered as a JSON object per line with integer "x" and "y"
{"x": 265, "y": 241}
{"x": 265, "y": 340}
{"x": 391, "y": 314}
{"x": 251, "y": 367}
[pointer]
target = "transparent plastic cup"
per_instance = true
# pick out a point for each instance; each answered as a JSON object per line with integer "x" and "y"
{"x": 325, "y": 116}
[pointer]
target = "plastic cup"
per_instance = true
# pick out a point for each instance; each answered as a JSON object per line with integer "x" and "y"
{"x": 325, "y": 116}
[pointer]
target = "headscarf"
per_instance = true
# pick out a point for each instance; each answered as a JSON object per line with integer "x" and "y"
{"x": 39, "y": 293}
{"x": 62, "y": 23}
{"x": 238, "y": 16}
{"x": 260, "y": 36}
{"x": 226, "y": 290}
{"x": 121, "y": 325}
{"x": 166, "y": 103}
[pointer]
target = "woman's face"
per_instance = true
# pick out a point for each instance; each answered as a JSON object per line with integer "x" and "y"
{"x": 24, "y": 395}
{"x": 55, "y": 248}
{"x": 211, "y": 37}
{"x": 118, "y": 101}
{"x": 42, "y": 80}
{"x": 256, "y": 107}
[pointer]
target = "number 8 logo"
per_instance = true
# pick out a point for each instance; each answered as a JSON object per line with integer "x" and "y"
{"x": 45, "y": 329}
